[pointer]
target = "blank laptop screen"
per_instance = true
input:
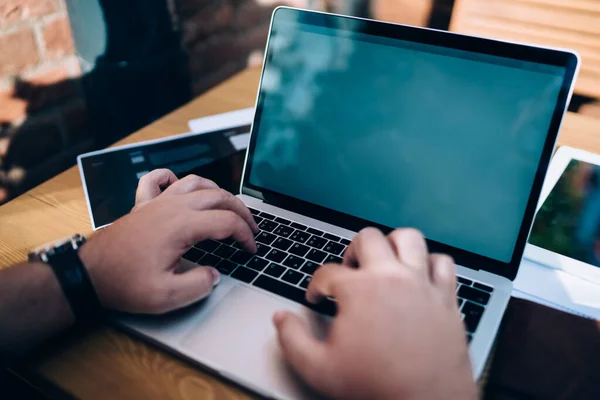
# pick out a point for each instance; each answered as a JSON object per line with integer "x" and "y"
{"x": 402, "y": 133}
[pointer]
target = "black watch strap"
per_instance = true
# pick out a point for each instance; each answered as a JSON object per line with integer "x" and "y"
{"x": 73, "y": 278}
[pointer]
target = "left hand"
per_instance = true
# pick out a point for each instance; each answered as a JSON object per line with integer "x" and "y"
{"x": 134, "y": 263}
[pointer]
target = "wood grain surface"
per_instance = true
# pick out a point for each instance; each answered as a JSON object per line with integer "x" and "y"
{"x": 570, "y": 24}
{"x": 105, "y": 363}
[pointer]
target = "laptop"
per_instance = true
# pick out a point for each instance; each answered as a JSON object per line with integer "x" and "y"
{"x": 363, "y": 123}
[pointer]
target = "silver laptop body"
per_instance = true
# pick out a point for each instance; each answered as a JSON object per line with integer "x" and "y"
{"x": 231, "y": 333}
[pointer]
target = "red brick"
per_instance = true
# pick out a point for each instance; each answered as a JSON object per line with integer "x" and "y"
{"x": 58, "y": 38}
{"x": 12, "y": 11}
{"x": 19, "y": 51}
{"x": 11, "y": 107}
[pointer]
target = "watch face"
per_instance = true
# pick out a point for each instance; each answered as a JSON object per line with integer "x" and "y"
{"x": 71, "y": 243}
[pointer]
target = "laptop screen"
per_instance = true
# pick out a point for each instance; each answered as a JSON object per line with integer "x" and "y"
{"x": 403, "y": 133}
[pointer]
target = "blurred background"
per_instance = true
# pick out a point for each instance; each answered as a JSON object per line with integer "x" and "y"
{"x": 77, "y": 75}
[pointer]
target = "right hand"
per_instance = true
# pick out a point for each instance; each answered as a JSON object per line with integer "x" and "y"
{"x": 134, "y": 263}
{"x": 397, "y": 333}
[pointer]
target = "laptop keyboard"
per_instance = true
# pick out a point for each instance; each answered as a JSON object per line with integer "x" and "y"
{"x": 288, "y": 255}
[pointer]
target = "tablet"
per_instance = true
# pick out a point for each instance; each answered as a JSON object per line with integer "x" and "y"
{"x": 566, "y": 230}
{"x": 110, "y": 177}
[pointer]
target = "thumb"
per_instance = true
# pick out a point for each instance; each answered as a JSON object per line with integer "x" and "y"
{"x": 191, "y": 286}
{"x": 301, "y": 349}
{"x": 152, "y": 184}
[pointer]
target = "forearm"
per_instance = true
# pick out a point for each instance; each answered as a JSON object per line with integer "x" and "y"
{"x": 32, "y": 306}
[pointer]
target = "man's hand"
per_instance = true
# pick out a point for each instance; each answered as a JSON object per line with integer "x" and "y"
{"x": 397, "y": 334}
{"x": 134, "y": 263}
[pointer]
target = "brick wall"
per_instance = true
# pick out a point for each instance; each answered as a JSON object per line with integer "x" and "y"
{"x": 43, "y": 118}
{"x": 222, "y": 37}
{"x": 40, "y": 101}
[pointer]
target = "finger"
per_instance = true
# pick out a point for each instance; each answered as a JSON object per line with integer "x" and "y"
{"x": 443, "y": 275}
{"x": 219, "y": 225}
{"x": 191, "y": 183}
{"x": 152, "y": 184}
{"x": 410, "y": 248}
{"x": 370, "y": 248}
{"x": 222, "y": 200}
{"x": 187, "y": 288}
{"x": 326, "y": 282}
{"x": 302, "y": 350}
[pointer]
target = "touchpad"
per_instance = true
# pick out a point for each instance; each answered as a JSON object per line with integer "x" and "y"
{"x": 238, "y": 339}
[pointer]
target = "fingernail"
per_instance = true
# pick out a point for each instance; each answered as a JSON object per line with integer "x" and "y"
{"x": 216, "y": 276}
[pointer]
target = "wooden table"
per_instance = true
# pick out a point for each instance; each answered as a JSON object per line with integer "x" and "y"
{"x": 107, "y": 363}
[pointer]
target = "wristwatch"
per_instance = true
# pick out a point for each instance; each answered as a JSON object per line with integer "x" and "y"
{"x": 72, "y": 276}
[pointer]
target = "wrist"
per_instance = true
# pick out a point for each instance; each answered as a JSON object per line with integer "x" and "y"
{"x": 64, "y": 260}
{"x": 91, "y": 258}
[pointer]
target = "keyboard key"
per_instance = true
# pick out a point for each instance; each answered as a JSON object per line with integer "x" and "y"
{"x": 478, "y": 296}
{"x": 258, "y": 219}
{"x": 316, "y": 256}
{"x": 253, "y": 211}
{"x": 296, "y": 225}
{"x": 276, "y": 255}
{"x": 310, "y": 267}
{"x": 345, "y": 242}
{"x": 241, "y": 257}
{"x": 226, "y": 267}
{"x": 267, "y": 216}
{"x": 293, "y": 262}
{"x": 316, "y": 242}
{"x": 244, "y": 274}
{"x": 464, "y": 281}
{"x": 268, "y": 226}
{"x": 262, "y": 250}
{"x": 275, "y": 270}
{"x": 228, "y": 241}
{"x": 209, "y": 260}
{"x": 314, "y": 231}
{"x": 257, "y": 263}
{"x": 334, "y": 248}
{"x": 266, "y": 238}
{"x": 305, "y": 282}
{"x": 292, "y": 276}
{"x": 193, "y": 255}
{"x": 238, "y": 246}
{"x": 334, "y": 238}
{"x": 207, "y": 245}
{"x": 283, "y": 230}
{"x": 331, "y": 259}
{"x": 300, "y": 237}
{"x": 299, "y": 249}
{"x": 282, "y": 221}
{"x": 483, "y": 287}
{"x": 293, "y": 293}
{"x": 224, "y": 251}
{"x": 460, "y": 303}
{"x": 473, "y": 313}
{"x": 282, "y": 244}
{"x": 469, "y": 337}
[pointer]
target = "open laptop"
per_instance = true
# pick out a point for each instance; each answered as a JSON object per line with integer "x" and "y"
{"x": 362, "y": 123}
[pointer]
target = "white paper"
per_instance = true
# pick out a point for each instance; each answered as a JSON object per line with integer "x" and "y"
{"x": 557, "y": 289}
{"x": 232, "y": 119}
{"x": 226, "y": 120}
